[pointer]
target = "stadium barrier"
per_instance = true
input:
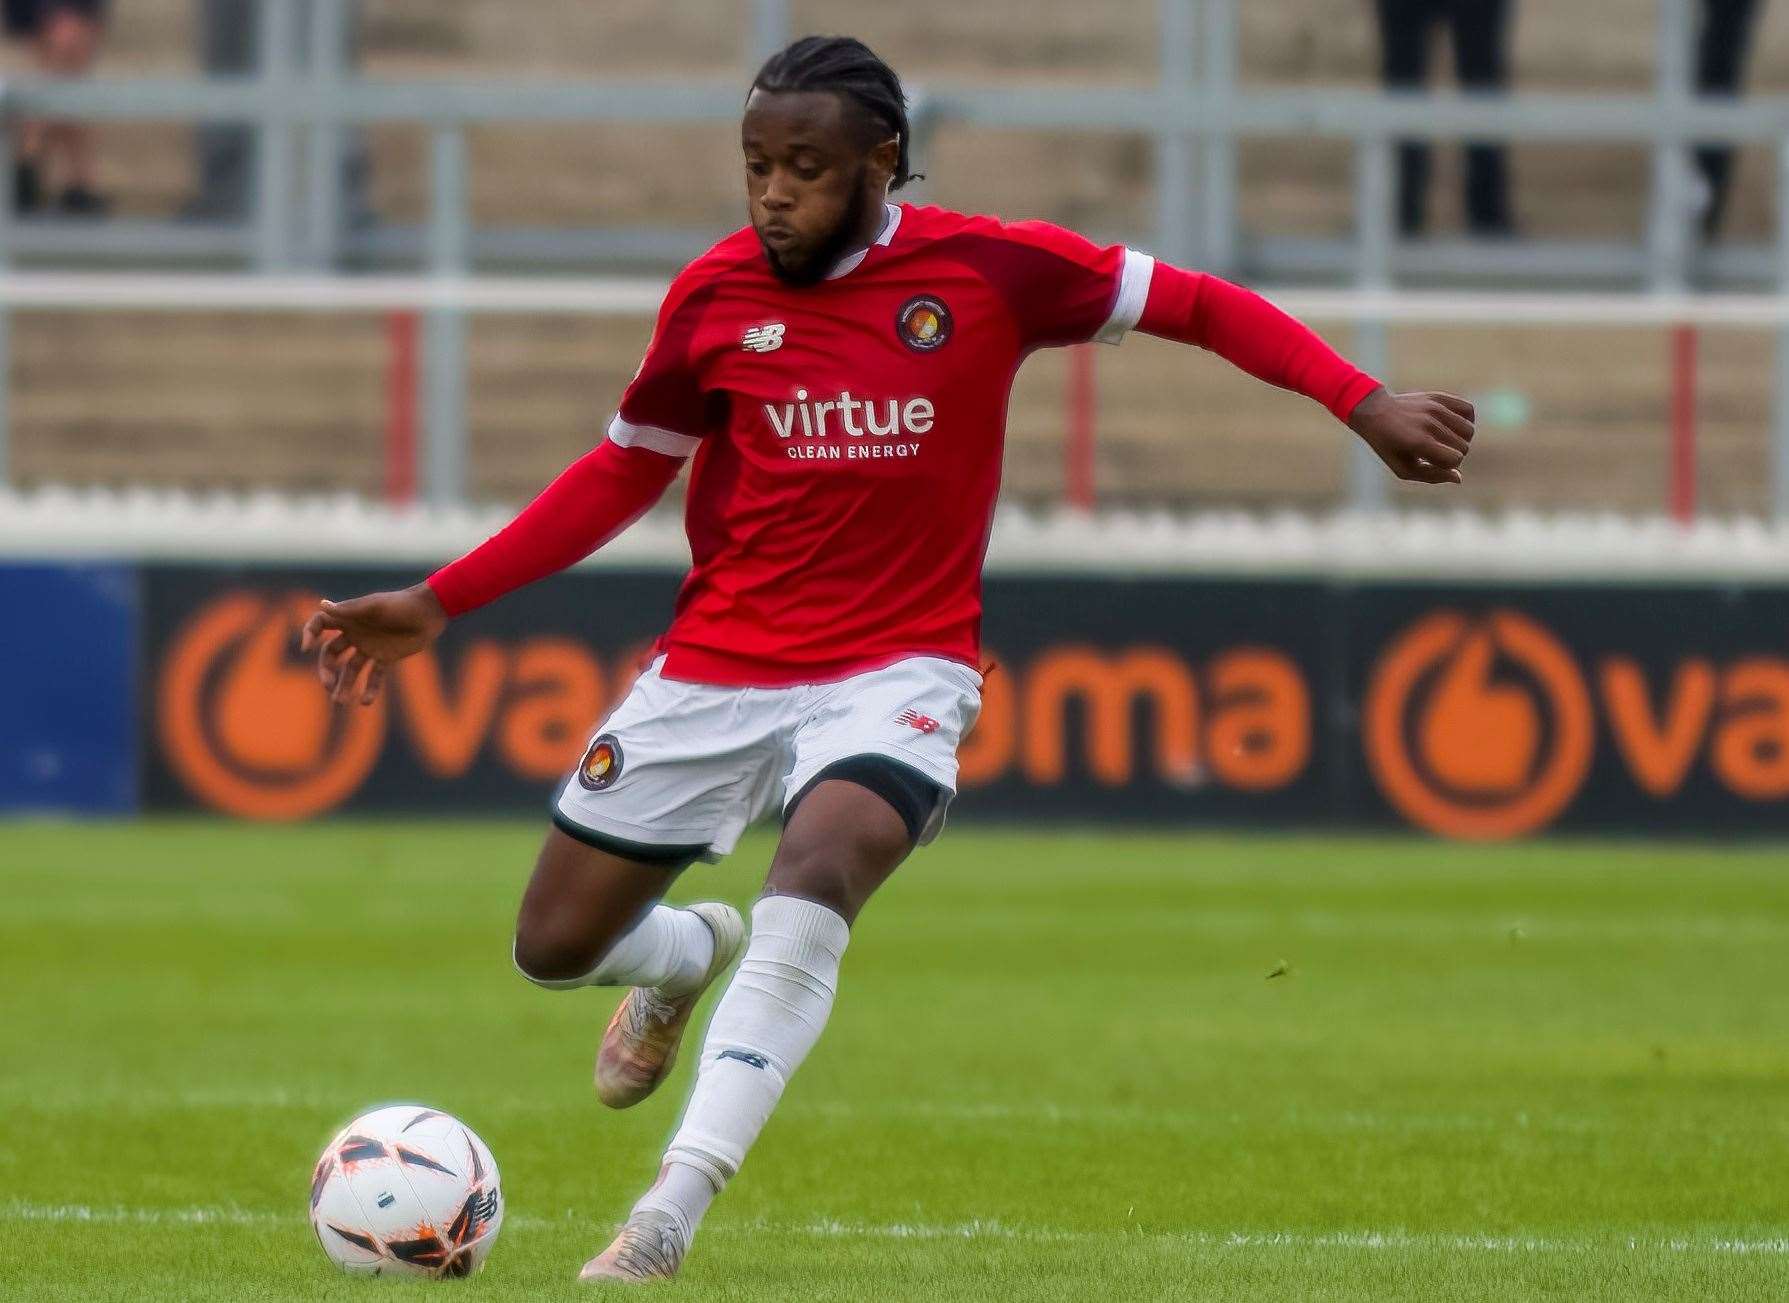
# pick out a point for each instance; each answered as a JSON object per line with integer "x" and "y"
{"x": 426, "y": 439}
{"x": 1594, "y": 676}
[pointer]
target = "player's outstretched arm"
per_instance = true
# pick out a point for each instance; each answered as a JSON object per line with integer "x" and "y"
{"x": 1422, "y": 437}
{"x": 594, "y": 499}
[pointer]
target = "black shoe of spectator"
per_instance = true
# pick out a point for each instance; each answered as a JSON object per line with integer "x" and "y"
{"x": 78, "y": 201}
{"x": 27, "y": 188}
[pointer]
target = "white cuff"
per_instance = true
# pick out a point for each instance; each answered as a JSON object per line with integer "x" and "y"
{"x": 669, "y": 442}
{"x": 1133, "y": 293}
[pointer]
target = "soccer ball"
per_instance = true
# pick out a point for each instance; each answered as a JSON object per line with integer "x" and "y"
{"x": 406, "y": 1190}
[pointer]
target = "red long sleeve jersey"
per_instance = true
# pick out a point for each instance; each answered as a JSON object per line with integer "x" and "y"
{"x": 847, "y": 435}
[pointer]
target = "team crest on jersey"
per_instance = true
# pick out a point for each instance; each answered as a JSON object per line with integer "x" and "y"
{"x": 923, "y": 323}
{"x": 767, "y": 338}
{"x": 601, "y": 765}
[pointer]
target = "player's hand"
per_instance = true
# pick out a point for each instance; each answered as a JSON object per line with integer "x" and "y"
{"x": 365, "y": 635}
{"x": 1422, "y": 437}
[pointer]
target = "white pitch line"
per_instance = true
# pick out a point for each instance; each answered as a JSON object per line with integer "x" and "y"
{"x": 978, "y": 1229}
{"x": 1395, "y": 1240}
{"x": 118, "y": 1215}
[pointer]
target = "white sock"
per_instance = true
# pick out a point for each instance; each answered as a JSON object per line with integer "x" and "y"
{"x": 683, "y": 1194}
{"x": 773, "y": 1012}
{"x": 668, "y": 948}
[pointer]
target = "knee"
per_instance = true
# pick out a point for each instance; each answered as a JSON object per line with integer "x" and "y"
{"x": 837, "y": 872}
{"x": 552, "y": 956}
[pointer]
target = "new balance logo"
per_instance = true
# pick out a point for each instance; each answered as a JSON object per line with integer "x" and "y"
{"x": 764, "y": 339}
{"x": 913, "y": 719}
{"x": 745, "y": 1057}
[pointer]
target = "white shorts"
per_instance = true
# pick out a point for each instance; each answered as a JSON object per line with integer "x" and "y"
{"x": 695, "y": 764}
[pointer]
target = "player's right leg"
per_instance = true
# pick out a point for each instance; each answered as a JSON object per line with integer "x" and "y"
{"x": 674, "y": 774}
{"x": 591, "y": 917}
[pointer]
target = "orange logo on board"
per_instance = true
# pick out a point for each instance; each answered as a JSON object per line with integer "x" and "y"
{"x": 243, "y": 720}
{"x": 1478, "y": 727}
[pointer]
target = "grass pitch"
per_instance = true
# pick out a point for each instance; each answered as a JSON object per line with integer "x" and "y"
{"x": 1061, "y": 1067}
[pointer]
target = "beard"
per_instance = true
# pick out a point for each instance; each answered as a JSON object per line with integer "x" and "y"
{"x": 812, "y": 267}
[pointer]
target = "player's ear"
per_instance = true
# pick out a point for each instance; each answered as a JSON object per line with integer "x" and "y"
{"x": 885, "y": 157}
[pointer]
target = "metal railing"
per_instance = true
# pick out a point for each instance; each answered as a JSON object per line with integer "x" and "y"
{"x": 436, "y": 464}
{"x": 1195, "y": 115}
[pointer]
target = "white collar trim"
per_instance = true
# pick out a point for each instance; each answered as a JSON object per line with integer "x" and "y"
{"x": 848, "y": 264}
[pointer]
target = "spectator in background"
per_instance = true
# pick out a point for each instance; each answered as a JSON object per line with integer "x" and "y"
{"x": 64, "y": 37}
{"x": 227, "y": 47}
{"x": 228, "y": 44}
{"x": 1721, "y": 48}
{"x": 1480, "y": 32}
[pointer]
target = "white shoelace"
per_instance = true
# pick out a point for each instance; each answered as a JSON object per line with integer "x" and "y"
{"x": 645, "y": 1007}
{"x": 646, "y": 1254}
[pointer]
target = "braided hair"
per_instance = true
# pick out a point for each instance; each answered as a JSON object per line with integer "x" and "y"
{"x": 850, "y": 69}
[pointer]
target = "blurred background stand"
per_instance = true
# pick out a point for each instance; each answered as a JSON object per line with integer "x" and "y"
{"x": 290, "y": 104}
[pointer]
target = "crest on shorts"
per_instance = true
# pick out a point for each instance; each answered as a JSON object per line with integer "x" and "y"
{"x": 923, "y": 323}
{"x": 601, "y": 765}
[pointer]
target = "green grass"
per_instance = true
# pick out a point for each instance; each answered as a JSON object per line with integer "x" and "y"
{"x": 1058, "y": 1069}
